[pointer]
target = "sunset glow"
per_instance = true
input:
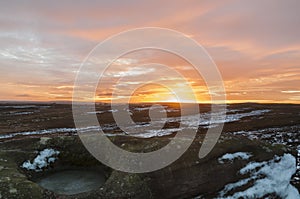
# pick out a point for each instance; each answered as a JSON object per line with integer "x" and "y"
{"x": 255, "y": 44}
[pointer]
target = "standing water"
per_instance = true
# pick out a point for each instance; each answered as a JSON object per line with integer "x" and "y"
{"x": 71, "y": 182}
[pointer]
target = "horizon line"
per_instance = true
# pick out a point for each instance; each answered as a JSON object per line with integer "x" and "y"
{"x": 147, "y": 102}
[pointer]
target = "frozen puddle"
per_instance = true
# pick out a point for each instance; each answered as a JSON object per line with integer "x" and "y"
{"x": 69, "y": 182}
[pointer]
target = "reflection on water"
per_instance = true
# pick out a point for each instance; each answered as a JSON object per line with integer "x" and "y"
{"x": 72, "y": 181}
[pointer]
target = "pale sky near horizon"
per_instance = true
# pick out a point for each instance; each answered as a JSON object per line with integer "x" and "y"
{"x": 255, "y": 44}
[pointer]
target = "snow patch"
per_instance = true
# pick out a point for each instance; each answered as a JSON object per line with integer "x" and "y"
{"x": 272, "y": 177}
{"x": 148, "y": 108}
{"x": 57, "y": 130}
{"x": 287, "y": 135}
{"x": 157, "y": 133}
{"x": 101, "y": 112}
{"x": 20, "y": 107}
{"x": 40, "y": 132}
{"x": 190, "y": 121}
{"x": 204, "y": 119}
{"x": 41, "y": 161}
{"x": 23, "y": 106}
{"x": 298, "y": 165}
{"x": 95, "y": 112}
{"x": 22, "y": 113}
{"x": 231, "y": 156}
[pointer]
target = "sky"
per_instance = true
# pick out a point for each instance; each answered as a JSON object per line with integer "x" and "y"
{"x": 255, "y": 45}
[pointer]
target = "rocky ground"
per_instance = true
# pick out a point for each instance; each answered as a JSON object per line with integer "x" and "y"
{"x": 188, "y": 177}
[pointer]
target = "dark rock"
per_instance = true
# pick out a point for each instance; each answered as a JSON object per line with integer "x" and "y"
{"x": 187, "y": 177}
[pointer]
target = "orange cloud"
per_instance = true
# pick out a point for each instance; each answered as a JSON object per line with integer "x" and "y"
{"x": 255, "y": 44}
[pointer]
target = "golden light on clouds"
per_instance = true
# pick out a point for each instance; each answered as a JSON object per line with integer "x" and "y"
{"x": 157, "y": 93}
{"x": 255, "y": 44}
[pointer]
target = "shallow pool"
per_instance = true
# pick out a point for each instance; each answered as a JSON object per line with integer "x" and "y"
{"x": 69, "y": 182}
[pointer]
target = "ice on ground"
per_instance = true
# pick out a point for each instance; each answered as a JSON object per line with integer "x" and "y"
{"x": 22, "y": 113}
{"x": 239, "y": 116}
{"x": 297, "y": 176}
{"x": 204, "y": 119}
{"x": 287, "y": 135}
{"x": 57, "y": 130}
{"x": 101, "y": 112}
{"x": 269, "y": 177}
{"x": 190, "y": 121}
{"x": 157, "y": 133}
{"x": 298, "y": 165}
{"x": 20, "y": 106}
{"x": 39, "y": 132}
{"x": 148, "y": 108}
{"x": 231, "y": 156}
{"x": 95, "y": 112}
{"x": 41, "y": 161}
{"x": 24, "y": 106}
{"x": 141, "y": 109}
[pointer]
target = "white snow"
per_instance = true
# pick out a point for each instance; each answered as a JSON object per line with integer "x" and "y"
{"x": 149, "y": 107}
{"x": 231, "y": 156}
{"x": 39, "y": 132}
{"x": 272, "y": 177}
{"x": 191, "y": 121}
{"x": 113, "y": 111}
{"x": 141, "y": 108}
{"x": 298, "y": 165}
{"x": 170, "y": 110}
{"x": 41, "y": 161}
{"x": 287, "y": 135}
{"x": 297, "y": 176}
{"x": 157, "y": 133}
{"x": 101, "y": 112}
{"x": 204, "y": 119}
{"x": 22, "y": 113}
{"x": 238, "y": 116}
{"x": 56, "y": 130}
{"x": 24, "y": 106}
{"x": 96, "y": 112}
{"x": 20, "y": 106}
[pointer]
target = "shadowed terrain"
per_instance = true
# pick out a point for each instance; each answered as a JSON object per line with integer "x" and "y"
{"x": 268, "y": 132}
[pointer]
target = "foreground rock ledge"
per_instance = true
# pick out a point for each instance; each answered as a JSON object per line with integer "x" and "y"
{"x": 186, "y": 178}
